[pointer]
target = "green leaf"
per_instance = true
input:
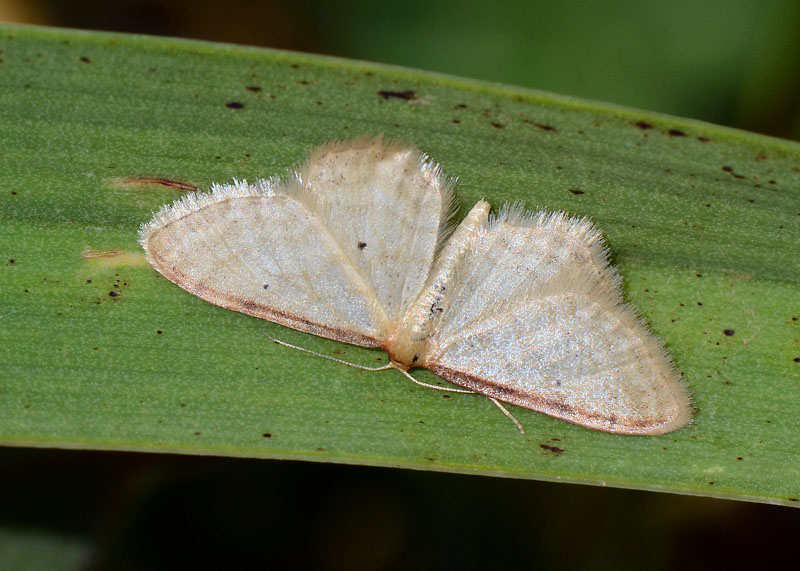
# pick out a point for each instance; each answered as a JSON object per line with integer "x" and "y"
{"x": 99, "y": 352}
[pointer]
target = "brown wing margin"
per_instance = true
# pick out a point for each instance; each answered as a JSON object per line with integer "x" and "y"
{"x": 554, "y": 408}
{"x": 263, "y": 311}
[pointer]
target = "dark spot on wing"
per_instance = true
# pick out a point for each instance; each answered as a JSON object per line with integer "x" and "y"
{"x": 362, "y": 245}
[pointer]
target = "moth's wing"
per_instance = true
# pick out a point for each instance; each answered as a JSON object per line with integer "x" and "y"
{"x": 280, "y": 250}
{"x": 536, "y": 322}
{"x": 258, "y": 250}
{"x": 388, "y": 206}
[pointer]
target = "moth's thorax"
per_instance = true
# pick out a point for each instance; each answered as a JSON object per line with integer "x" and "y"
{"x": 407, "y": 344}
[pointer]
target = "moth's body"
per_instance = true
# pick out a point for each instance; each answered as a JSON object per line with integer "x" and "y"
{"x": 356, "y": 246}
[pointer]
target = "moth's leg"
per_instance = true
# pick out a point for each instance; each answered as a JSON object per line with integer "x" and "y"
{"x": 329, "y": 358}
{"x": 508, "y": 414}
{"x": 429, "y": 386}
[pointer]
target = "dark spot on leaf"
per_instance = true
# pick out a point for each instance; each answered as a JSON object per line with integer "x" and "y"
{"x": 267, "y": 435}
{"x": 739, "y": 458}
{"x": 157, "y": 180}
{"x": 460, "y": 106}
{"x": 676, "y": 133}
{"x": 362, "y": 245}
{"x": 576, "y": 191}
{"x": 554, "y": 449}
{"x": 12, "y": 261}
{"x": 730, "y": 170}
{"x": 728, "y": 332}
{"x": 699, "y": 303}
{"x": 113, "y": 293}
{"x": 253, "y": 88}
{"x": 703, "y": 139}
{"x": 644, "y": 125}
{"x": 456, "y": 121}
{"x": 445, "y": 396}
{"x": 407, "y": 95}
{"x": 197, "y": 433}
{"x": 159, "y": 332}
{"x": 497, "y": 125}
{"x": 796, "y": 359}
{"x": 234, "y": 105}
{"x": 85, "y": 59}
{"x": 545, "y": 127}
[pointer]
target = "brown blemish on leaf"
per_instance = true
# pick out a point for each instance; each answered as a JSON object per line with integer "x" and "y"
{"x": 554, "y": 449}
{"x": 136, "y": 181}
{"x": 728, "y": 332}
{"x": 577, "y": 191}
{"x": 676, "y": 133}
{"x": 644, "y": 125}
{"x": 114, "y": 258}
{"x": 267, "y": 435}
{"x": 729, "y": 170}
{"x": 234, "y": 105}
{"x": 85, "y": 59}
{"x": 703, "y": 139}
{"x": 542, "y": 126}
{"x": 407, "y": 95}
{"x": 253, "y": 88}
{"x": 497, "y": 125}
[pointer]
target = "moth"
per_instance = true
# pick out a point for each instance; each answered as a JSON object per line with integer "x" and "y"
{"x": 357, "y": 245}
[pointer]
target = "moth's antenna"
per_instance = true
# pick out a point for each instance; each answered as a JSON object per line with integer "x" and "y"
{"x": 406, "y": 373}
{"x": 329, "y": 358}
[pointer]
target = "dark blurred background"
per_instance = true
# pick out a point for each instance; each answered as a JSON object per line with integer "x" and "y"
{"x": 732, "y": 62}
